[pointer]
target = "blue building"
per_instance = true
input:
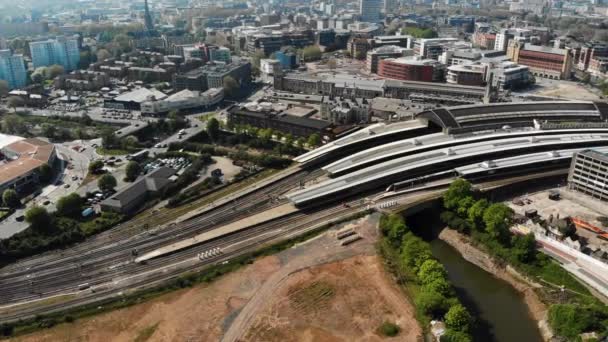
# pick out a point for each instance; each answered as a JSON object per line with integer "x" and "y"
{"x": 461, "y": 20}
{"x": 61, "y": 51}
{"x": 12, "y": 69}
{"x": 287, "y": 60}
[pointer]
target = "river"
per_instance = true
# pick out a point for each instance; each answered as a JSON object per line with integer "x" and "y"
{"x": 500, "y": 311}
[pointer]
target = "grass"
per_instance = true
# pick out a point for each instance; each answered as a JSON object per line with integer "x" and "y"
{"x": 4, "y": 213}
{"x": 205, "y": 117}
{"x": 146, "y": 333}
{"x": 113, "y": 152}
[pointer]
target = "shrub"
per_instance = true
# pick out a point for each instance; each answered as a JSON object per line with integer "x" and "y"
{"x": 389, "y": 329}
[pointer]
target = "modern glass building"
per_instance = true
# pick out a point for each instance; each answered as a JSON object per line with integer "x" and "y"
{"x": 61, "y": 51}
{"x": 369, "y": 10}
{"x": 12, "y": 69}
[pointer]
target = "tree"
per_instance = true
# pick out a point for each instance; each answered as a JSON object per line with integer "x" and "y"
{"x": 39, "y": 219}
{"x": 570, "y": 320}
{"x": 524, "y": 248}
{"x": 96, "y": 167}
{"x": 103, "y": 54}
{"x": 69, "y": 205}
{"x": 455, "y": 336}
{"x": 48, "y": 130}
{"x": 394, "y": 228}
{"x": 213, "y": 129}
{"x": 431, "y": 303}
{"x": 458, "y": 190}
{"x": 10, "y": 198}
{"x": 430, "y": 271}
{"x": 231, "y": 86}
{"x": 39, "y": 75}
{"x": 458, "y": 318}
{"x": 107, "y": 182}
{"x": 314, "y": 140}
{"x": 54, "y": 71}
{"x": 417, "y": 32}
{"x": 14, "y": 102}
{"x": 109, "y": 139}
{"x": 475, "y": 213}
{"x": 4, "y": 89}
{"x": 45, "y": 173}
{"x": 14, "y": 124}
{"x": 311, "y": 53}
{"x": 414, "y": 251}
{"x": 497, "y": 219}
{"x": 132, "y": 171}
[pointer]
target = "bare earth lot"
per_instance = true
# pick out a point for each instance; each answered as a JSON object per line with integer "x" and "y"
{"x": 317, "y": 291}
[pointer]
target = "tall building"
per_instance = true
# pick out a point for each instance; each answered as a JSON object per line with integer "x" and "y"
{"x": 148, "y": 17}
{"x": 391, "y": 7}
{"x": 221, "y": 54}
{"x": 12, "y": 69}
{"x": 62, "y": 51}
{"x": 369, "y": 10}
{"x": 588, "y": 174}
{"x": 543, "y": 61}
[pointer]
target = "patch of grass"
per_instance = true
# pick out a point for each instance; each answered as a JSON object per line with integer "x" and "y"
{"x": 113, "y": 152}
{"x": 389, "y": 329}
{"x": 146, "y": 333}
{"x": 313, "y": 297}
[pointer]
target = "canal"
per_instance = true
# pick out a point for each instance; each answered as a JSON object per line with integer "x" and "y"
{"x": 500, "y": 311}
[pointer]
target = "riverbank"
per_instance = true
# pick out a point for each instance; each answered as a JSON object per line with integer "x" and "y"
{"x": 537, "y": 309}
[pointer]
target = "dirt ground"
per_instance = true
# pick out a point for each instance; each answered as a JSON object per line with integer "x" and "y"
{"x": 343, "y": 301}
{"x": 316, "y": 291}
{"x": 566, "y": 90}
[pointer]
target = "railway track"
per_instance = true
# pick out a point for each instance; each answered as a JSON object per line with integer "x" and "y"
{"x": 271, "y": 231}
{"x": 64, "y": 270}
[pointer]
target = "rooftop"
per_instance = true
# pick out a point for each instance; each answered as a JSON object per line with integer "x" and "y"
{"x": 140, "y": 95}
{"x": 31, "y": 154}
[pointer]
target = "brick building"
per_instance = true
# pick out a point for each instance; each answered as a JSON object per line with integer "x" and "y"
{"x": 410, "y": 69}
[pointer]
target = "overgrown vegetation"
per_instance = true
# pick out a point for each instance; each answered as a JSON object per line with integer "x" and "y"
{"x": 410, "y": 260}
{"x": 56, "y": 128}
{"x": 488, "y": 224}
{"x": 389, "y": 329}
{"x": 51, "y": 231}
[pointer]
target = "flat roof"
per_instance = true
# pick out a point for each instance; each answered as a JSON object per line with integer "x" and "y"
{"x": 140, "y": 95}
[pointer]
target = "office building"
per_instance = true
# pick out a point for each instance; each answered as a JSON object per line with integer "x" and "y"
{"x": 509, "y": 75}
{"x": 543, "y": 61}
{"x": 62, "y": 51}
{"x": 219, "y": 54}
{"x": 589, "y": 52}
{"x": 467, "y": 74}
{"x": 411, "y": 69}
{"x": 589, "y": 174}
{"x": 287, "y": 60}
{"x": 369, "y": 10}
{"x": 212, "y": 75}
{"x": 12, "y": 69}
{"x": 389, "y": 51}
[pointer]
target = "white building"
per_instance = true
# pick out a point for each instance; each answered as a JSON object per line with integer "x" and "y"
{"x": 184, "y": 100}
{"x": 269, "y": 68}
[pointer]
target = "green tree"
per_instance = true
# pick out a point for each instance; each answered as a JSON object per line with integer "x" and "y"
{"x": 54, "y": 71}
{"x": 213, "y": 129}
{"x": 394, "y": 228}
{"x": 109, "y": 139}
{"x": 13, "y": 124}
{"x": 455, "y": 336}
{"x": 39, "y": 75}
{"x": 289, "y": 139}
{"x": 524, "y": 248}
{"x": 70, "y": 205}
{"x": 107, "y": 182}
{"x": 431, "y": 303}
{"x": 570, "y": 320}
{"x": 389, "y": 329}
{"x": 430, "y": 271}
{"x": 45, "y": 173}
{"x": 458, "y": 318}
{"x": 417, "y": 32}
{"x": 14, "y": 102}
{"x": 103, "y": 54}
{"x": 475, "y": 213}
{"x": 439, "y": 285}
{"x": 458, "y": 190}
{"x": 96, "y": 167}
{"x": 497, "y": 219}
{"x": 415, "y": 251}
{"x": 231, "y": 87}
{"x": 132, "y": 171}
{"x": 464, "y": 205}
{"x": 314, "y": 140}
{"x": 10, "y": 198}
{"x": 48, "y": 130}
{"x": 3, "y": 88}
{"x": 39, "y": 219}
{"x": 311, "y": 53}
